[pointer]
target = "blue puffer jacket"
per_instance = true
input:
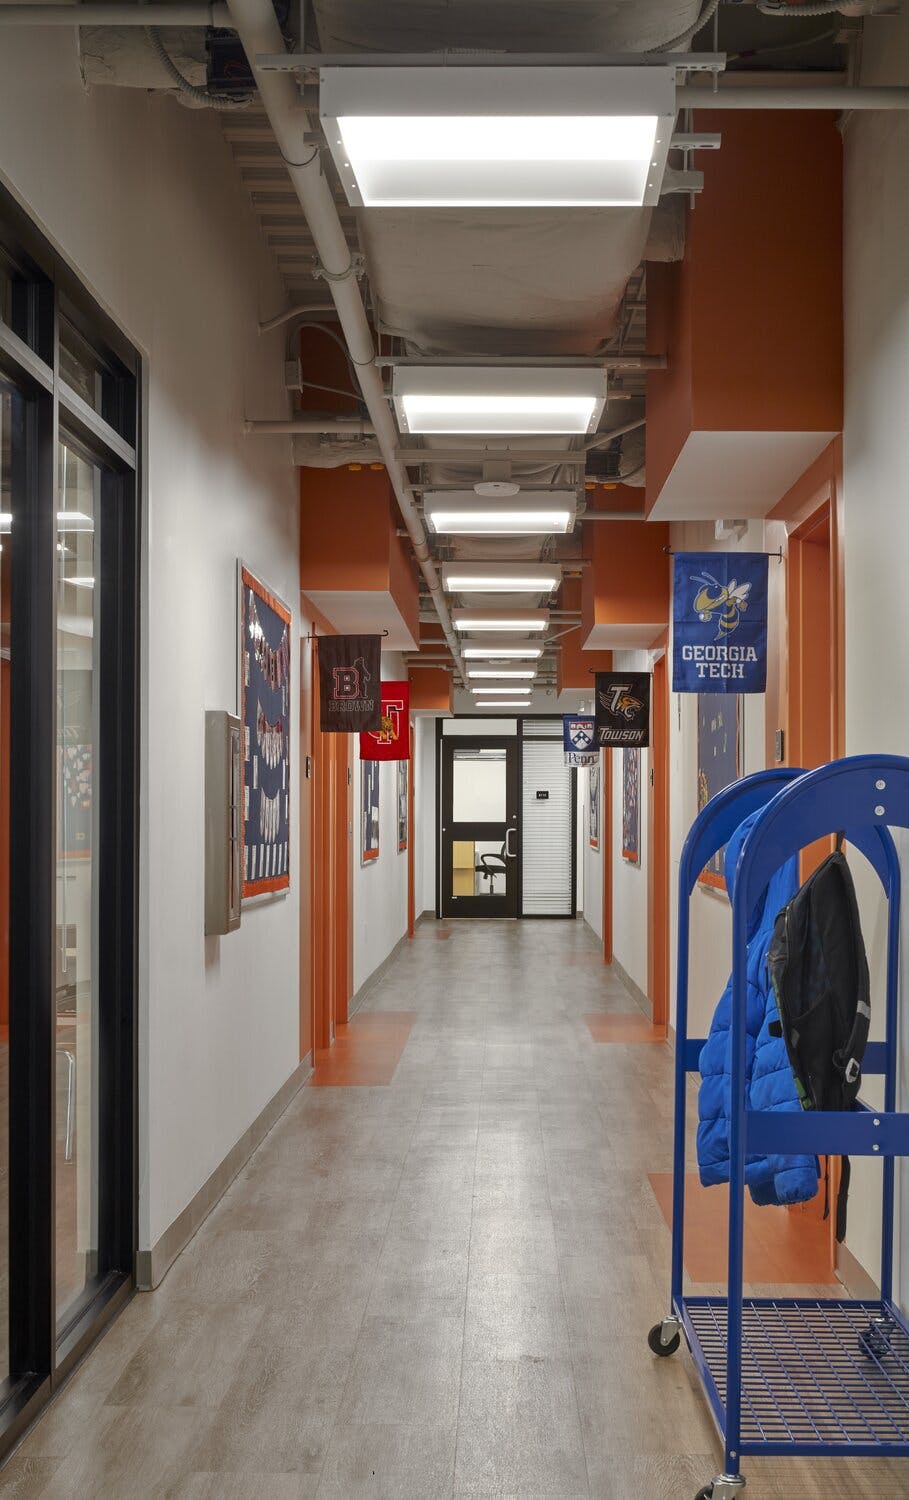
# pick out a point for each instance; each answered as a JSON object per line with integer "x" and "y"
{"x": 769, "y": 1084}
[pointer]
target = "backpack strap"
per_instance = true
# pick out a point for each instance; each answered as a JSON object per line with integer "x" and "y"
{"x": 842, "y": 1198}
{"x": 848, "y": 1058}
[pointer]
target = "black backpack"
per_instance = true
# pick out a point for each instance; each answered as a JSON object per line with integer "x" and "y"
{"x": 819, "y": 974}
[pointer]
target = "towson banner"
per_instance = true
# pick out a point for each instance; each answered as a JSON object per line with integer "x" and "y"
{"x": 579, "y": 740}
{"x": 623, "y": 709}
{"x": 719, "y": 622}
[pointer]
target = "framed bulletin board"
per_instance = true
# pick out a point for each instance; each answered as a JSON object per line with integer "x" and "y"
{"x": 265, "y": 686}
{"x": 631, "y": 804}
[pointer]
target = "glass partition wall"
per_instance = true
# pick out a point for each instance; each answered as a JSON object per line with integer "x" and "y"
{"x": 69, "y": 388}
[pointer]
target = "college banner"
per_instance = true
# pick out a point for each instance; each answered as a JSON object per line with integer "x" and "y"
{"x": 623, "y": 709}
{"x": 349, "y": 670}
{"x": 391, "y": 741}
{"x": 579, "y": 740}
{"x": 719, "y": 622}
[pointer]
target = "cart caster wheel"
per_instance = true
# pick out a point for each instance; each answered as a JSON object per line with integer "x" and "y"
{"x": 705, "y": 1494}
{"x": 874, "y": 1341}
{"x": 659, "y": 1343}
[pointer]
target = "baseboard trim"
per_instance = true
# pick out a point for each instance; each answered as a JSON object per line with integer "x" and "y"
{"x": 854, "y": 1277}
{"x": 634, "y": 990}
{"x": 356, "y": 1001}
{"x": 153, "y": 1265}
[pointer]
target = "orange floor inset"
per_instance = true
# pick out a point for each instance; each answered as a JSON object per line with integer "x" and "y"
{"x": 781, "y": 1247}
{"x": 624, "y": 1027}
{"x": 366, "y": 1051}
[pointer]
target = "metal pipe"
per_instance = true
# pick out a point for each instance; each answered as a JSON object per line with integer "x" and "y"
{"x": 839, "y": 97}
{"x": 692, "y": 62}
{"x": 116, "y": 15}
{"x": 611, "y": 515}
{"x": 614, "y": 432}
{"x": 295, "y": 312}
{"x": 531, "y": 362}
{"x": 257, "y": 27}
{"x": 348, "y": 427}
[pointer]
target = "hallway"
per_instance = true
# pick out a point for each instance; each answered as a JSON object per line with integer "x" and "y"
{"x": 436, "y": 1287}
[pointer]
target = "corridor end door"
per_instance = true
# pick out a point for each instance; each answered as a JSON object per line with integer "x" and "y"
{"x": 479, "y": 805}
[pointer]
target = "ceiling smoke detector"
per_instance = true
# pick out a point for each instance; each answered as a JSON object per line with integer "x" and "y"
{"x": 496, "y": 489}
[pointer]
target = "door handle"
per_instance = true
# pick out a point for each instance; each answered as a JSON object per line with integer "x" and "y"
{"x": 509, "y": 852}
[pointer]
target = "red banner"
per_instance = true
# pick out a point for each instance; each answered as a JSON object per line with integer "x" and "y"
{"x": 392, "y": 741}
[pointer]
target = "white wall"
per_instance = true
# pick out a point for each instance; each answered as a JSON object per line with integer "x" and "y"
{"x": 379, "y": 887}
{"x": 142, "y": 198}
{"x": 876, "y": 461}
{"x": 629, "y": 881}
{"x": 425, "y": 813}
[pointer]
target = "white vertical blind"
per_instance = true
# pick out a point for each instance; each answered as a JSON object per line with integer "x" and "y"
{"x": 546, "y": 826}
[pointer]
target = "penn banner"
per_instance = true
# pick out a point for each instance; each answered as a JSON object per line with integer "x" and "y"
{"x": 623, "y": 709}
{"x": 350, "y": 667}
{"x": 391, "y": 741}
{"x": 579, "y": 740}
{"x": 719, "y": 622}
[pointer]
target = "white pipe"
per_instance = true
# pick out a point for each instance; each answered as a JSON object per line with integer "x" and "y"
{"x": 257, "y": 27}
{"x": 347, "y": 427}
{"x": 690, "y": 96}
{"x": 115, "y": 15}
{"x": 294, "y": 312}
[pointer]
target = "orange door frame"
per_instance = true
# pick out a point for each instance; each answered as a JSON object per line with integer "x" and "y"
{"x": 339, "y": 918}
{"x": 658, "y": 850}
{"x": 330, "y": 878}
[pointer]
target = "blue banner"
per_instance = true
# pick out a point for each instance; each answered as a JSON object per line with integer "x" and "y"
{"x": 719, "y": 622}
{"x": 579, "y": 740}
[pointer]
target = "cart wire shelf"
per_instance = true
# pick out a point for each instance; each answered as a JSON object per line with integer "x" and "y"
{"x": 822, "y": 1375}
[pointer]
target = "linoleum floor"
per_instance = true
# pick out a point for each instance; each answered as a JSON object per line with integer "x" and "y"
{"x": 433, "y": 1288}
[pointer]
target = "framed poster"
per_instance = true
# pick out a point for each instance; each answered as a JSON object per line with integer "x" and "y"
{"x": 593, "y": 806}
{"x": 631, "y": 805}
{"x": 369, "y": 810}
{"x": 719, "y": 762}
{"x": 265, "y": 688}
{"x": 402, "y": 804}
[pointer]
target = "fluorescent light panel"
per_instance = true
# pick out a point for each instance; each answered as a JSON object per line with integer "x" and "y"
{"x": 499, "y": 578}
{"x": 500, "y": 687}
{"x": 526, "y": 652}
{"x": 466, "y": 514}
{"x": 499, "y": 137}
{"x": 497, "y": 400}
{"x": 524, "y": 672}
{"x": 502, "y": 621}
{"x": 505, "y": 703}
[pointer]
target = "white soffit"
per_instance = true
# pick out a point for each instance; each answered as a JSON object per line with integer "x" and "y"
{"x": 624, "y": 637}
{"x": 490, "y": 137}
{"x": 743, "y": 473}
{"x": 364, "y": 612}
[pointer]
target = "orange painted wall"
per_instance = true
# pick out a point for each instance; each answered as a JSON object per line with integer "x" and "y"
{"x": 346, "y": 529}
{"x": 627, "y": 582}
{"x": 574, "y": 665}
{"x": 431, "y": 689}
{"x": 751, "y": 319}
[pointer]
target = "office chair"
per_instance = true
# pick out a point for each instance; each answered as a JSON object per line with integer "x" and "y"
{"x": 491, "y": 866}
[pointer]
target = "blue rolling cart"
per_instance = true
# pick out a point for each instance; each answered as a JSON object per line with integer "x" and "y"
{"x": 815, "y": 1377}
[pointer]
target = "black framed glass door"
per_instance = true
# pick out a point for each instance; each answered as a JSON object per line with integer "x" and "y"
{"x": 479, "y": 844}
{"x": 69, "y": 387}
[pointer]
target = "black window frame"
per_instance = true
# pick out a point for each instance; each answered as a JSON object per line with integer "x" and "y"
{"x": 45, "y": 410}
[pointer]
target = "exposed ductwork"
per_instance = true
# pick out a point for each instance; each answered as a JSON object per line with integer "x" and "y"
{"x": 260, "y": 34}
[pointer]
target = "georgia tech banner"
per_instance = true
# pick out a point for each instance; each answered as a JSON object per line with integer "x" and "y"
{"x": 623, "y": 709}
{"x": 392, "y": 740}
{"x": 349, "y": 689}
{"x": 719, "y": 622}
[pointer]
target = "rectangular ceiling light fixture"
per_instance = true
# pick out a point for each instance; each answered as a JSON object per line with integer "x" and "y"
{"x": 503, "y": 703}
{"x": 527, "y": 652}
{"x": 496, "y": 400}
{"x": 503, "y": 621}
{"x": 500, "y": 687}
{"x": 500, "y": 672}
{"x": 500, "y": 578}
{"x": 522, "y": 137}
{"x": 463, "y": 513}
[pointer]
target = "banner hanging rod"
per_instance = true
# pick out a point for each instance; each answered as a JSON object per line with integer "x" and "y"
{"x": 671, "y": 552}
